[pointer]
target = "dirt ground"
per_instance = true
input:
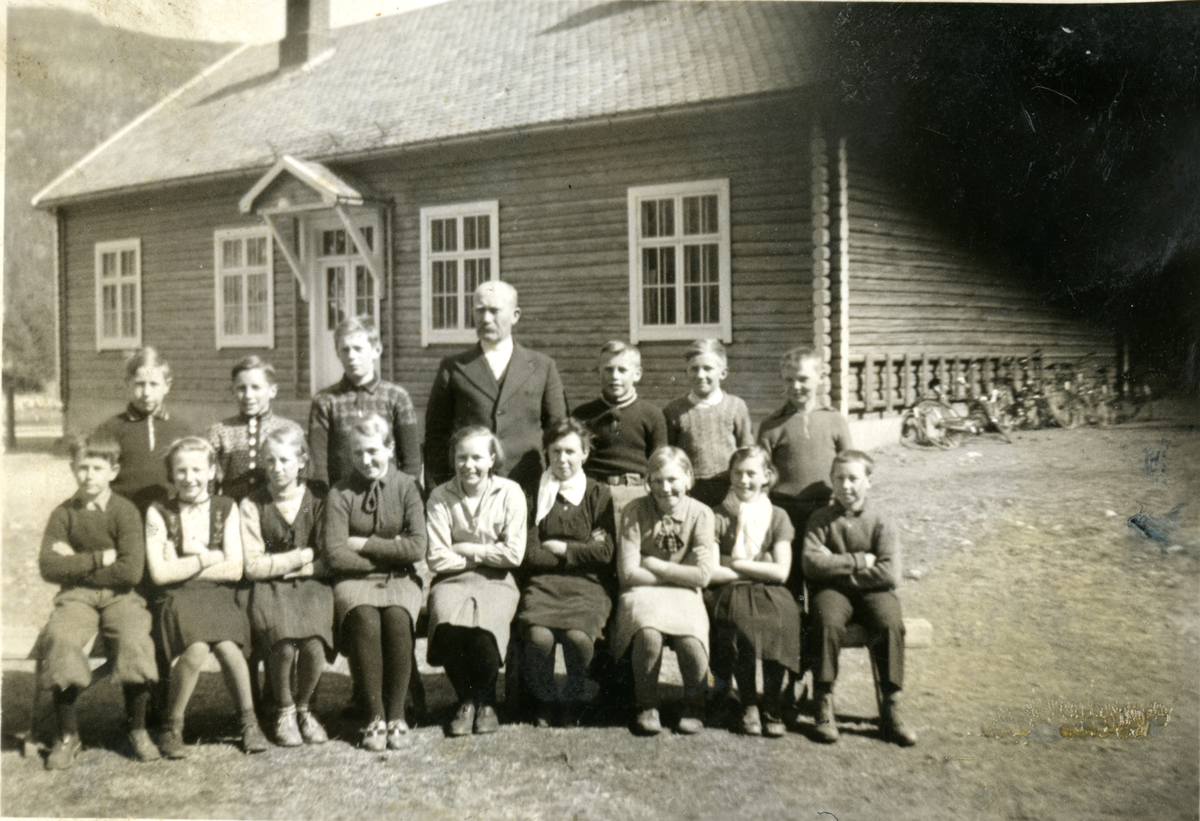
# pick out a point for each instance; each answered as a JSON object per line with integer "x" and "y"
{"x": 1042, "y": 598}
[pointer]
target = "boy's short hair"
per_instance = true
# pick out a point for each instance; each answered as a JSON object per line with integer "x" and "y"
{"x": 615, "y": 347}
{"x": 96, "y": 446}
{"x": 470, "y": 432}
{"x": 361, "y": 324}
{"x": 565, "y": 428}
{"x": 798, "y": 354}
{"x": 850, "y": 456}
{"x": 291, "y": 437}
{"x": 189, "y": 444}
{"x": 254, "y": 363}
{"x": 706, "y": 346}
{"x": 755, "y": 452}
{"x": 147, "y": 357}
{"x": 373, "y": 425}
{"x": 667, "y": 455}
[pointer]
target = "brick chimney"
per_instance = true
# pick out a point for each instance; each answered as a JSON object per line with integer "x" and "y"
{"x": 306, "y": 31}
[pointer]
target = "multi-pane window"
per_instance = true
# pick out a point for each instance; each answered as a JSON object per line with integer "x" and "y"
{"x": 119, "y": 294}
{"x": 245, "y": 293}
{"x": 459, "y": 250}
{"x": 679, "y": 261}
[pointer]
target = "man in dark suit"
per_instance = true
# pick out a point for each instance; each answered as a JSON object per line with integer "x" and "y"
{"x": 503, "y": 386}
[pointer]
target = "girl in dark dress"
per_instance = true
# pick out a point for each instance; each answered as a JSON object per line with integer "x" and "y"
{"x": 753, "y": 614}
{"x": 569, "y": 567}
{"x": 374, "y": 534}
{"x": 291, "y": 612}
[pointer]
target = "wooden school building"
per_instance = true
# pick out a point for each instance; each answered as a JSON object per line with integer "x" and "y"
{"x": 650, "y": 171}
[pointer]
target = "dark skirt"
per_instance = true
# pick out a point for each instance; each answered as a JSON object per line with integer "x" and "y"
{"x": 201, "y": 611}
{"x": 765, "y": 615}
{"x": 564, "y": 602}
{"x": 283, "y": 609}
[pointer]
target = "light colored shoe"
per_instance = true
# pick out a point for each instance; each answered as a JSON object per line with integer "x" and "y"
{"x": 171, "y": 742}
{"x": 485, "y": 719}
{"x": 287, "y": 728}
{"x": 310, "y": 729}
{"x": 893, "y": 725}
{"x": 751, "y": 721}
{"x": 144, "y": 749}
{"x": 826, "y": 726}
{"x": 464, "y": 719}
{"x": 773, "y": 726}
{"x": 647, "y": 722}
{"x": 375, "y": 736}
{"x": 62, "y": 754}
{"x": 395, "y": 733}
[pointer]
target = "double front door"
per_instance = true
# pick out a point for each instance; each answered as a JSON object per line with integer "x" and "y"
{"x": 343, "y": 288}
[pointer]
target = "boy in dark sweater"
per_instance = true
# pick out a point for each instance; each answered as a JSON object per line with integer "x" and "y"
{"x": 144, "y": 431}
{"x": 626, "y": 429}
{"x": 94, "y": 547}
{"x": 851, "y": 559}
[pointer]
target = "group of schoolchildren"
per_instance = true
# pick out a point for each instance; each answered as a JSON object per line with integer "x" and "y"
{"x": 648, "y": 528}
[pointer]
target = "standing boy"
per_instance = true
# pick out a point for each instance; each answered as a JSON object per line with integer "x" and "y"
{"x": 360, "y": 392}
{"x": 94, "y": 548}
{"x": 626, "y": 429}
{"x": 144, "y": 431}
{"x": 708, "y": 424}
{"x": 851, "y": 559}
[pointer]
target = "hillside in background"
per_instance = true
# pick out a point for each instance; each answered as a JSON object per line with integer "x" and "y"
{"x": 72, "y": 83}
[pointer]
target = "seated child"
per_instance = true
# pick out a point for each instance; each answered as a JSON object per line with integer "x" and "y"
{"x": 145, "y": 430}
{"x": 665, "y": 558}
{"x": 238, "y": 440}
{"x": 477, "y": 530}
{"x": 626, "y": 429}
{"x": 568, "y": 562}
{"x": 753, "y": 614}
{"x": 360, "y": 391}
{"x": 194, "y": 554}
{"x": 708, "y": 424}
{"x": 93, "y": 546}
{"x": 291, "y": 612}
{"x": 852, "y": 561}
{"x": 374, "y": 535}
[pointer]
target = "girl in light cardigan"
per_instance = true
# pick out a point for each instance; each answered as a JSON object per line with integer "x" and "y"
{"x": 476, "y": 538}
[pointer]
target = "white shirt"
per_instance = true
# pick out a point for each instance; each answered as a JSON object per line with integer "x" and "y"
{"x": 498, "y": 355}
{"x": 711, "y": 400}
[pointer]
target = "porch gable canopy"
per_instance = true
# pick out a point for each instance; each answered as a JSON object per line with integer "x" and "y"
{"x": 294, "y": 186}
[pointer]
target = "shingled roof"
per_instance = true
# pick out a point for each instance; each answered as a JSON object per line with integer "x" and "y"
{"x": 462, "y": 68}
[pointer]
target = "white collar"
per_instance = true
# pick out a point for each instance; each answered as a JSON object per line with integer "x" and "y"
{"x": 550, "y": 488}
{"x": 504, "y": 346}
{"x": 711, "y": 400}
{"x": 100, "y": 502}
{"x": 624, "y": 403}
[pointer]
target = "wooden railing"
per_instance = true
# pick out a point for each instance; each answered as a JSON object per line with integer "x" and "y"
{"x": 894, "y": 381}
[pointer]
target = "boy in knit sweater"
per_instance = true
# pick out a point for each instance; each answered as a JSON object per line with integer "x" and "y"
{"x": 708, "y": 424}
{"x": 94, "y": 548}
{"x": 626, "y": 429}
{"x": 851, "y": 559}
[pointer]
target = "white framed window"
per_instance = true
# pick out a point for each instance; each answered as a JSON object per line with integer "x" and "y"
{"x": 460, "y": 248}
{"x": 245, "y": 288}
{"x": 679, "y": 261}
{"x": 118, "y": 294}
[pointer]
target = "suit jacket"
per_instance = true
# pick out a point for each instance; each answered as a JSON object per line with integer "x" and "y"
{"x": 465, "y": 392}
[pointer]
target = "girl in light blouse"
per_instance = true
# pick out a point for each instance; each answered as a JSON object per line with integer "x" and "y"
{"x": 477, "y": 526}
{"x": 194, "y": 554}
